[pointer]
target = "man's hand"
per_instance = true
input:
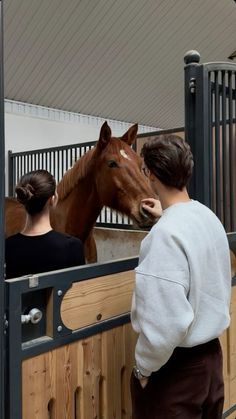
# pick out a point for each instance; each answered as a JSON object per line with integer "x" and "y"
{"x": 143, "y": 381}
{"x": 153, "y": 206}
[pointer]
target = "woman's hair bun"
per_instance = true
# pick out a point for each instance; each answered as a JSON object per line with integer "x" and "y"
{"x": 24, "y": 193}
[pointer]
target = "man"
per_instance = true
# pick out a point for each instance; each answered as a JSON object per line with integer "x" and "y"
{"x": 181, "y": 298}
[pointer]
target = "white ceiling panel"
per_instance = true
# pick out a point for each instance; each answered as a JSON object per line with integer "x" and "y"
{"x": 118, "y": 59}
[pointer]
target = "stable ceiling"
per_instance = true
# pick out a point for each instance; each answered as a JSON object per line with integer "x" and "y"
{"x": 118, "y": 59}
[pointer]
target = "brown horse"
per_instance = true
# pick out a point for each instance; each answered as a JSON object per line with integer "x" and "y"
{"x": 109, "y": 174}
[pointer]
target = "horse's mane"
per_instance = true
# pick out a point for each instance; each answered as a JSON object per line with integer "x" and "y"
{"x": 71, "y": 177}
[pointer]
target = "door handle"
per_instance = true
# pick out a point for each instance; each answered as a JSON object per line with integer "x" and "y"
{"x": 34, "y": 316}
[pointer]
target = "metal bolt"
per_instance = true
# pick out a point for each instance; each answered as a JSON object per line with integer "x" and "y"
{"x": 192, "y": 85}
{"x": 59, "y": 329}
{"x": 59, "y": 293}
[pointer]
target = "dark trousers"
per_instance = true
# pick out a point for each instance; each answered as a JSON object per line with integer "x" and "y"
{"x": 189, "y": 386}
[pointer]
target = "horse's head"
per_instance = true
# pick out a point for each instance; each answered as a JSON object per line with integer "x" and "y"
{"x": 120, "y": 182}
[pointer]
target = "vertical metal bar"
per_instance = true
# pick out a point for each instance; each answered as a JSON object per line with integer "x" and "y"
{"x": 2, "y": 244}
{"x": 71, "y": 157}
{"x": 10, "y": 173}
{"x": 232, "y": 149}
{"x": 234, "y": 136}
{"x": 105, "y": 214}
{"x": 211, "y": 141}
{"x": 18, "y": 168}
{"x": 202, "y": 149}
{"x": 225, "y": 160}
{"x": 14, "y": 402}
{"x": 218, "y": 148}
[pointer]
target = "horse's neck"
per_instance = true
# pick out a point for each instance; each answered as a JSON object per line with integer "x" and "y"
{"x": 77, "y": 213}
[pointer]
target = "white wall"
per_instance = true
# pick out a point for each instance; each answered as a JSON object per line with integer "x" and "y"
{"x": 29, "y": 127}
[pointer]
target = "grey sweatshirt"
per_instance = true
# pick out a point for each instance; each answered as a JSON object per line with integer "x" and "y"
{"x": 182, "y": 285}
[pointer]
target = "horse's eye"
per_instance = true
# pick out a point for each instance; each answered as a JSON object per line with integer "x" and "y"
{"x": 112, "y": 163}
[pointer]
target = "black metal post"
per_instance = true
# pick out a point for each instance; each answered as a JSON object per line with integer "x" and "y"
{"x": 197, "y": 125}
{"x": 2, "y": 243}
{"x": 191, "y": 60}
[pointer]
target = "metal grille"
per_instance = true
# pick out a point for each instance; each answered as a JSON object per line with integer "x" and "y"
{"x": 222, "y": 138}
{"x": 210, "y": 127}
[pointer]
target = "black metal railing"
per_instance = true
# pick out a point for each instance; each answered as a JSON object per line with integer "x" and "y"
{"x": 210, "y": 128}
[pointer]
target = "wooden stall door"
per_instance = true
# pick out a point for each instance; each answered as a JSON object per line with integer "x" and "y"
{"x": 87, "y": 379}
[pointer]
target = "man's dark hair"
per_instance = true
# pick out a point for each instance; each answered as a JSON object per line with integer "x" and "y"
{"x": 34, "y": 189}
{"x": 170, "y": 159}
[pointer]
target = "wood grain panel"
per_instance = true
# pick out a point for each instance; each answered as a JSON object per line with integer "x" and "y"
{"x": 88, "y": 302}
{"x": 82, "y": 380}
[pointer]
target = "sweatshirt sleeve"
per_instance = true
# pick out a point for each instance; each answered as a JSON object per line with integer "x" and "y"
{"x": 161, "y": 314}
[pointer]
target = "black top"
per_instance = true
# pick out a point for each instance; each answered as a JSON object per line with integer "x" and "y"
{"x": 26, "y": 255}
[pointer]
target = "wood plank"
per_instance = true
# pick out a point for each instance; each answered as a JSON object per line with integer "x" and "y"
{"x": 88, "y": 302}
{"x": 112, "y": 365}
{"x": 65, "y": 376}
{"x": 37, "y": 389}
{"x": 232, "y": 336}
{"x": 130, "y": 339}
{"x": 91, "y": 377}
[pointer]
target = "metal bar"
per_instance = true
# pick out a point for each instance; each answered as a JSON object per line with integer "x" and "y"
{"x": 211, "y": 143}
{"x": 234, "y": 135}
{"x": 2, "y": 233}
{"x": 225, "y": 160}
{"x": 10, "y": 173}
{"x": 202, "y": 155}
{"x": 37, "y": 348}
{"x": 14, "y": 356}
{"x": 229, "y": 411}
{"x": 232, "y": 149}
{"x": 218, "y": 148}
{"x": 40, "y": 150}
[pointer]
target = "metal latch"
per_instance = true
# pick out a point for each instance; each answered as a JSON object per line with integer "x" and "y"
{"x": 34, "y": 316}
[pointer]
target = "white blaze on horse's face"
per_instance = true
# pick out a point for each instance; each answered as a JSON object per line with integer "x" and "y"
{"x": 124, "y": 154}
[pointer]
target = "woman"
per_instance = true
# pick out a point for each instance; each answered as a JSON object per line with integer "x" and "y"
{"x": 38, "y": 248}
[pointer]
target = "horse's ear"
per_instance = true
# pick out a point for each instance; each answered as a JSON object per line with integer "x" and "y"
{"x": 130, "y": 135}
{"x": 105, "y": 135}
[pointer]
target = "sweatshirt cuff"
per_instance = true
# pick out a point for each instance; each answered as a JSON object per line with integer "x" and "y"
{"x": 144, "y": 372}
